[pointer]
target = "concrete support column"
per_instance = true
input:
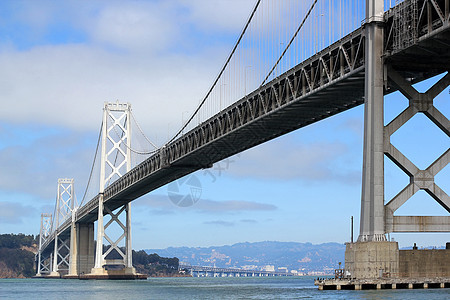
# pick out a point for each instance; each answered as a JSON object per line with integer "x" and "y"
{"x": 39, "y": 264}
{"x": 73, "y": 260}
{"x": 54, "y": 270}
{"x": 372, "y": 196}
{"x": 40, "y": 246}
{"x": 100, "y": 233}
{"x": 85, "y": 237}
{"x": 129, "y": 250}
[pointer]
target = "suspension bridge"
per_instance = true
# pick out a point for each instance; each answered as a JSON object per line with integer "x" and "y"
{"x": 295, "y": 63}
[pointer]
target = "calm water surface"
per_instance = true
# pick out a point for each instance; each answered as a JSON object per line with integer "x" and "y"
{"x": 196, "y": 288}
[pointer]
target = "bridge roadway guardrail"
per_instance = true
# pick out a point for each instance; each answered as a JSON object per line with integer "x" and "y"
{"x": 327, "y": 83}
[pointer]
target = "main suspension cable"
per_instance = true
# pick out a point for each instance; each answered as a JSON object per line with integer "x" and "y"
{"x": 129, "y": 147}
{"x": 93, "y": 164}
{"x": 290, "y": 42}
{"x": 140, "y": 130}
{"x": 220, "y": 74}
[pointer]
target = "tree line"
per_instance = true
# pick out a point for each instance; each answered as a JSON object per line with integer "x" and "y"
{"x": 21, "y": 263}
{"x": 14, "y": 241}
{"x": 142, "y": 258}
{"x": 16, "y": 261}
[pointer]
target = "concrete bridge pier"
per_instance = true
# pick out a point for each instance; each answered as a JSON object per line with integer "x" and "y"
{"x": 86, "y": 247}
{"x": 372, "y": 252}
{"x": 372, "y": 256}
{"x": 81, "y": 249}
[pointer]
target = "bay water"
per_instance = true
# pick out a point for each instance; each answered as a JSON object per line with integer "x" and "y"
{"x": 196, "y": 288}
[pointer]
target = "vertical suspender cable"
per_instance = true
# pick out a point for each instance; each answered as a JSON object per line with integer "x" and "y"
{"x": 93, "y": 163}
{"x": 292, "y": 39}
{"x": 220, "y": 73}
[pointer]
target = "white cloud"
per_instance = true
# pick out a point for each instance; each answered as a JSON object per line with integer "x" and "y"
{"x": 355, "y": 125}
{"x": 220, "y": 14}
{"x": 67, "y": 85}
{"x": 135, "y": 26}
{"x": 220, "y": 223}
{"x": 35, "y": 168}
{"x": 249, "y": 221}
{"x": 288, "y": 159}
{"x": 133, "y": 52}
{"x": 232, "y": 206}
{"x": 36, "y": 14}
{"x": 162, "y": 203}
{"x": 13, "y": 213}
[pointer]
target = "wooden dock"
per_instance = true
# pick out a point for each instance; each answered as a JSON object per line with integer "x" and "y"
{"x": 382, "y": 283}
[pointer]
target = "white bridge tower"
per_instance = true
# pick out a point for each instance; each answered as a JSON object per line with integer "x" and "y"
{"x": 44, "y": 263}
{"x": 115, "y": 161}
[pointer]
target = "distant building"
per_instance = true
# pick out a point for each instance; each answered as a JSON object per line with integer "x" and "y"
{"x": 283, "y": 269}
{"x": 269, "y": 268}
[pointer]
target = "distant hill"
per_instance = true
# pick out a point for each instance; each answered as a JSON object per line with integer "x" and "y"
{"x": 294, "y": 256}
{"x": 17, "y": 255}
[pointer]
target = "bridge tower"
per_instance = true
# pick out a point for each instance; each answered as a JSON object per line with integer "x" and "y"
{"x": 115, "y": 161}
{"x": 44, "y": 262}
{"x": 372, "y": 198}
{"x": 372, "y": 255}
{"x": 60, "y": 258}
{"x": 65, "y": 207}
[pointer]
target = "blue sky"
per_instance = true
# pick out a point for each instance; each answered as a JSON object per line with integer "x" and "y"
{"x": 61, "y": 62}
